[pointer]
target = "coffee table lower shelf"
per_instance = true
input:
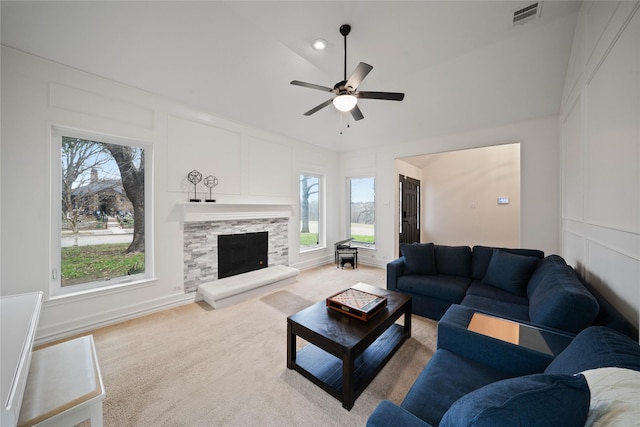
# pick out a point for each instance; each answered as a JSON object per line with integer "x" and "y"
{"x": 326, "y": 370}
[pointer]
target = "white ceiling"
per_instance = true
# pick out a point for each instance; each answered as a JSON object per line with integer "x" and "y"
{"x": 462, "y": 65}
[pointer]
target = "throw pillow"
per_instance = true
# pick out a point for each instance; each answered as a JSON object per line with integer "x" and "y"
{"x": 614, "y": 397}
{"x": 510, "y": 272}
{"x": 419, "y": 258}
{"x": 533, "y": 400}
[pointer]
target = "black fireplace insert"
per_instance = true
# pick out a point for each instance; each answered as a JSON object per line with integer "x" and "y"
{"x": 241, "y": 253}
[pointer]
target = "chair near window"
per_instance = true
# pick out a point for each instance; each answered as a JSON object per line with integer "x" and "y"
{"x": 345, "y": 254}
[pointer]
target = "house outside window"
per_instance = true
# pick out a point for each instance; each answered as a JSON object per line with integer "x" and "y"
{"x": 362, "y": 213}
{"x": 99, "y": 218}
{"x": 310, "y": 211}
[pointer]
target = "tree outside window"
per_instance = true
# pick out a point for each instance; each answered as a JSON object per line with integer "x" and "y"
{"x": 362, "y": 213}
{"x": 309, "y": 211}
{"x": 102, "y": 194}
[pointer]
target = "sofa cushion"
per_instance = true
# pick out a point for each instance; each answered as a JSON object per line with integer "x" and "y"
{"x": 561, "y": 301}
{"x": 510, "y": 272}
{"x": 453, "y": 260}
{"x": 597, "y": 347}
{"x": 482, "y": 256}
{"x": 419, "y": 258}
{"x": 389, "y": 414}
{"x": 446, "y": 378}
{"x": 533, "y": 400}
{"x": 544, "y": 266}
{"x": 447, "y": 288}
{"x": 488, "y": 291}
{"x": 614, "y": 397}
{"x": 499, "y": 308}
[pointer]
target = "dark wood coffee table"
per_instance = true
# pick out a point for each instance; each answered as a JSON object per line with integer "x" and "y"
{"x": 344, "y": 354}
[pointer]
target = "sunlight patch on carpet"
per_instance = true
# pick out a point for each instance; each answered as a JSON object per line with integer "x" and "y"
{"x": 286, "y": 302}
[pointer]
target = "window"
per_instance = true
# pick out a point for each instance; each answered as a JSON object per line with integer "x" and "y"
{"x": 310, "y": 224}
{"x": 362, "y": 216}
{"x": 99, "y": 218}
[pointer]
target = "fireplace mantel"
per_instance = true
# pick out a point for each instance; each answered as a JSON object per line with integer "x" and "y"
{"x": 199, "y": 212}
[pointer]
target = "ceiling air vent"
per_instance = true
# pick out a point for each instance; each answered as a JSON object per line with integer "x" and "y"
{"x": 527, "y": 13}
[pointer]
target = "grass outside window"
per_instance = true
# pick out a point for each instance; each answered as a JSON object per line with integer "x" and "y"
{"x": 83, "y": 264}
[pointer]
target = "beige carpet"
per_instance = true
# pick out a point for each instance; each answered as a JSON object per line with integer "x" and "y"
{"x": 195, "y": 366}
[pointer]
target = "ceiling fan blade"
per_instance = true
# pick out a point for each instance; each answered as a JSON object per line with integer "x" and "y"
{"x": 389, "y": 96}
{"x": 311, "y": 86}
{"x": 358, "y": 75}
{"x": 356, "y": 113}
{"x": 318, "y": 108}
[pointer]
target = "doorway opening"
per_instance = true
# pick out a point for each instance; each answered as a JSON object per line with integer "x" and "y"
{"x": 468, "y": 197}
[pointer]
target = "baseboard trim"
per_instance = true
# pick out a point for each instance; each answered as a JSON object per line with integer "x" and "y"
{"x": 313, "y": 263}
{"x": 79, "y": 326}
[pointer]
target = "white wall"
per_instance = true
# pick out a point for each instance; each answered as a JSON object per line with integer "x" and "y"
{"x": 601, "y": 152}
{"x": 460, "y": 191}
{"x": 252, "y": 166}
{"x": 539, "y": 180}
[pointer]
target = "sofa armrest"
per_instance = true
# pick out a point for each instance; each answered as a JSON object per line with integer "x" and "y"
{"x": 395, "y": 269}
{"x": 509, "y": 358}
{"x": 389, "y": 414}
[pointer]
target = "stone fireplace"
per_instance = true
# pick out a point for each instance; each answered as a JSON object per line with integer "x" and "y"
{"x": 204, "y": 222}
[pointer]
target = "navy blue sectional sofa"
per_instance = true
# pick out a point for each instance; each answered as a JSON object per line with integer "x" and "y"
{"x": 474, "y": 379}
{"x": 520, "y": 284}
{"x": 458, "y": 388}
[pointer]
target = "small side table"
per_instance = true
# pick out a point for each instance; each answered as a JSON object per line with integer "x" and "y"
{"x": 347, "y": 256}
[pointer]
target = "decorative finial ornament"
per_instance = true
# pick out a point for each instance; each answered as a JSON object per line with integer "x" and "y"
{"x": 210, "y": 181}
{"x": 194, "y": 177}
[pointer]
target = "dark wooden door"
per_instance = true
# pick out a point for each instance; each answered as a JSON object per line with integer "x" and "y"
{"x": 409, "y": 193}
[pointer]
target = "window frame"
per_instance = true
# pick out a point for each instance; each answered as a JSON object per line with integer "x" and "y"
{"x": 321, "y": 215}
{"x": 375, "y": 219}
{"x": 56, "y": 290}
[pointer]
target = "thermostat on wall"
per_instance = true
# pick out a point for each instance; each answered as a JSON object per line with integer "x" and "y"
{"x": 503, "y": 200}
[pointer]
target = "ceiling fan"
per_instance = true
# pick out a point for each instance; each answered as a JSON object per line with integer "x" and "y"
{"x": 347, "y": 90}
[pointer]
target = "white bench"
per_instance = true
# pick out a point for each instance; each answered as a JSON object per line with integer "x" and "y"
{"x": 64, "y": 387}
{"x": 230, "y": 290}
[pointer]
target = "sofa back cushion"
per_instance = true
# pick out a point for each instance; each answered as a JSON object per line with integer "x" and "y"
{"x": 533, "y": 400}
{"x": 510, "y": 272}
{"x": 544, "y": 266}
{"x": 453, "y": 260}
{"x": 419, "y": 258}
{"x": 561, "y": 301}
{"x": 482, "y": 257}
{"x": 597, "y": 347}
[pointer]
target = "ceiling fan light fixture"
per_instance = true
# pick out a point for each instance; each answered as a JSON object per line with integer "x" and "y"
{"x": 345, "y": 103}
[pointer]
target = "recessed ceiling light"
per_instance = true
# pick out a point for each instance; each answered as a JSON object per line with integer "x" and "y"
{"x": 319, "y": 44}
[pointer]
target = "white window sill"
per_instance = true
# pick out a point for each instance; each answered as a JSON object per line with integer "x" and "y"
{"x": 360, "y": 245}
{"x": 313, "y": 249}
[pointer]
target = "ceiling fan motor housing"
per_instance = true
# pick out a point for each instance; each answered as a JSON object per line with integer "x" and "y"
{"x": 340, "y": 88}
